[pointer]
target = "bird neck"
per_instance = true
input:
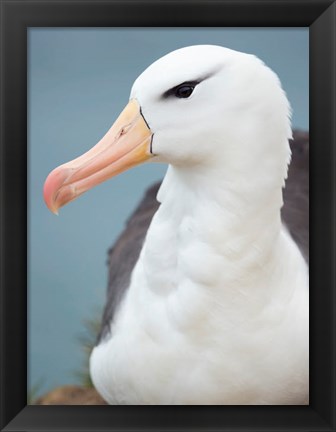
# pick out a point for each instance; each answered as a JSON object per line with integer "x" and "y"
{"x": 210, "y": 231}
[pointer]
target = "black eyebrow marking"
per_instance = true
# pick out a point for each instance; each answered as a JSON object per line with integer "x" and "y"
{"x": 192, "y": 83}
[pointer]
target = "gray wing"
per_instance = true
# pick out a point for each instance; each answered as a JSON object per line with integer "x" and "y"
{"x": 124, "y": 254}
{"x": 295, "y": 212}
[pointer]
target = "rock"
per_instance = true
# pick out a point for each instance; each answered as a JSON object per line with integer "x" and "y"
{"x": 71, "y": 395}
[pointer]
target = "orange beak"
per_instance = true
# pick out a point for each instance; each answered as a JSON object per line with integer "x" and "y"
{"x": 125, "y": 145}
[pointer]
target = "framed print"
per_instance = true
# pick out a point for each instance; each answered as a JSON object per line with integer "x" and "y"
{"x": 24, "y": 22}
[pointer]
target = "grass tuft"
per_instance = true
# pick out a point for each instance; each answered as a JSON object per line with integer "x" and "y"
{"x": 87, "y": 340}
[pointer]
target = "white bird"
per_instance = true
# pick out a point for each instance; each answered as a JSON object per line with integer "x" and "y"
{"x": 216, "y": 310}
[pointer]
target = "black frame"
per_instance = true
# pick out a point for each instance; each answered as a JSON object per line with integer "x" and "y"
{"x": 16, "y": 17}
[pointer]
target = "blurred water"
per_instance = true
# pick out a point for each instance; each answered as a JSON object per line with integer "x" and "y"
{"x": 79, "y": 80}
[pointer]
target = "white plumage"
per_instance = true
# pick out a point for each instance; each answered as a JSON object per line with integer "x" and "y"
{"x": 217, "y": 308}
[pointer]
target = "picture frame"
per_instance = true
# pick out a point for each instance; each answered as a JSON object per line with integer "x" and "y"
{"x": 16, "y": 18}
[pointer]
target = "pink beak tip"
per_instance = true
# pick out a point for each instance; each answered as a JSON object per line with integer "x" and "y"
{"x": 50, "y": 188}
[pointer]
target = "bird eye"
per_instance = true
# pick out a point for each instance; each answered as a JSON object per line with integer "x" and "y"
{"x": 184, "y": 91}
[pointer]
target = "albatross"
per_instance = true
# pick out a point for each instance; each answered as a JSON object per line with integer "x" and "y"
{"x": 215, "y": 310}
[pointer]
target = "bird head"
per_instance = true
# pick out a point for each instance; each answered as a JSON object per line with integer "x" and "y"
{"x": 199, "y": 106}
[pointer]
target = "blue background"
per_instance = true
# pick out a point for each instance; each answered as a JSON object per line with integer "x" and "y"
{"x": 79, "y": 80}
